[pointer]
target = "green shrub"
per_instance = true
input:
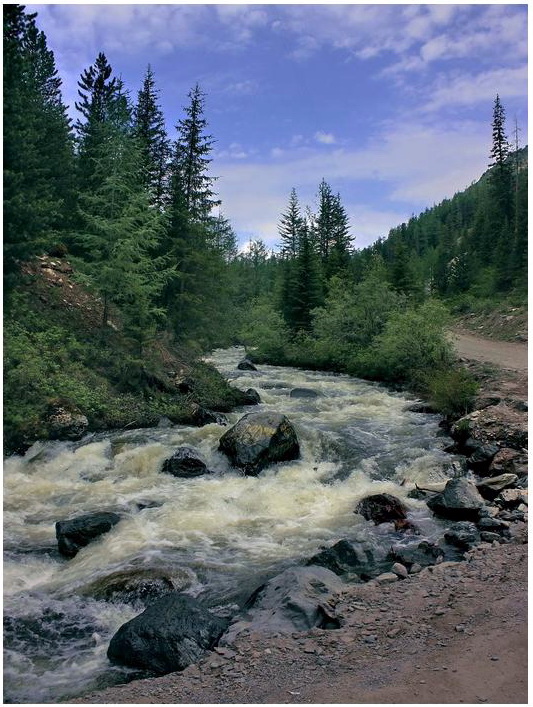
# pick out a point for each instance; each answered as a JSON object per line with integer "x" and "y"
{"x": 412, "y": 341}
{"x": 452, "y": 391}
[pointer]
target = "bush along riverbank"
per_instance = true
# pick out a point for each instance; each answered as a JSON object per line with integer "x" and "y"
{"x": 313, "y": 619}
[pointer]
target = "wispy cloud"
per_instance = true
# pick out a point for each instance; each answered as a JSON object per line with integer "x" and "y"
{"x": 470, "y": 89}
{"x": 400, "y": 162}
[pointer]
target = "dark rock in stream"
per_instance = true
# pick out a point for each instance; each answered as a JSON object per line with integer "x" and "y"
{"x": 303, "y": 393}
{"x": 131, "y": 586}
{"x": 382, "y": 508}
{"x": 460, "y": 500}
{"x": 202, "y": 416}
{"x": 185, "y": 463}
{"x": 422, "y": 408}
{"x": 259, "y": 439}
{"x": 250, "y": 397}
{"x": 169, "y": 635}
{"x": 78, "y": 532}
{"x": 246, "y": 365}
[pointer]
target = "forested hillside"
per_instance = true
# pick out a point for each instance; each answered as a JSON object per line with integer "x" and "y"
{"x": 134, "y": 220}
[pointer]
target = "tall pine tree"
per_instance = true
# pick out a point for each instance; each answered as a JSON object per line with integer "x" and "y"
{"x": 149, "y": 130}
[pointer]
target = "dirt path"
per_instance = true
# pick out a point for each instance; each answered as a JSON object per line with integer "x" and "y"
{"x": 508, "y": 355}
{"x": 455, "y": 633}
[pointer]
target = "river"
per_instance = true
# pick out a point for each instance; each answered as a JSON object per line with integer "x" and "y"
{"x": 217, "y": 537}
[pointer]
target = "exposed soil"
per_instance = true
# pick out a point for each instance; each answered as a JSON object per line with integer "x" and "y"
{"x": 454, "y": 633}
{"x": 505, "y": 354}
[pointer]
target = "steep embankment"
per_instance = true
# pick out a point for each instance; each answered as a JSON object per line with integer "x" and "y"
{"x": 67, "y": 372}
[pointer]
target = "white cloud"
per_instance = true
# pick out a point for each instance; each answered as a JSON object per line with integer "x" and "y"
{"x": 242, "y": 88}
{"x": 416, "y": 164}
{"x": 469, "y": 89}
{"x": 325, "y": 138}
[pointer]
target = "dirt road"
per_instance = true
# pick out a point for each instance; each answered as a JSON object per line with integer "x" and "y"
{"x": 508, "y": 355}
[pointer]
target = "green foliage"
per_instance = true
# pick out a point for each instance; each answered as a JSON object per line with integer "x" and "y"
{"x": 351, "y": 318}
{"x": 38, "y": 154}
{"x": 264, "y": 329}
{"x": 451, "y": 390}
{"x": 411, "y": 341}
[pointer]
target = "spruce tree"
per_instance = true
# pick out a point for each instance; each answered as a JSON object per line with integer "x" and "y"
{"x": 340, "y": 240}
{"x": 331, "y": 231}
{"x": 192, "y": 151}
{"x": 119, "y": 232}
{"x": 188, "y": 238}
{"x": 308, "y": 294}
{"x": 501, "y": 193}
{"x": 149, "y": 130}
{"x": 290, "y": 227}
{"x": 38, "y": 167}
{"x": 99, "y": 94}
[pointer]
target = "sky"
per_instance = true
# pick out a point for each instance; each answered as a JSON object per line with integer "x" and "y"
{"x": 390, "y": 104}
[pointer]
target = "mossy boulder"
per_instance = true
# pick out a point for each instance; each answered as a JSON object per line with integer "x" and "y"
{"x": 260, "y": 439}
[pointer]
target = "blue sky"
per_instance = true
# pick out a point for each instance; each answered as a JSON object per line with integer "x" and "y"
{"x": 390, "y": 104}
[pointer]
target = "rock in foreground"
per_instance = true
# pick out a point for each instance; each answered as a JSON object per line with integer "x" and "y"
{"x": 295, "y": 600}
{"x": 171, "y": 634}
{"x": 260, "y": 439}
{"x": 382, "y": 508}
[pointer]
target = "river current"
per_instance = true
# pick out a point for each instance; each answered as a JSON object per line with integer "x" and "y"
{"x": 217, "y": 537}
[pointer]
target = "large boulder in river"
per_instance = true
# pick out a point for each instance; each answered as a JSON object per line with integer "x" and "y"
{"x": 460, "y": 500}
{"x": 169, "y": 635}
{"x": 185, "y": 463}
{"x": 298, "y": 599}
{"x": 78, "y": 532}
{"x": 259, "y": 439}
{"x": 131, "y": 585}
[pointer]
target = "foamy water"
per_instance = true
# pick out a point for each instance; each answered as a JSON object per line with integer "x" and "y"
{"x": 216, "y": 537}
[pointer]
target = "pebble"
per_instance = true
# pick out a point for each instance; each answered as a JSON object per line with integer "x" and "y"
{"x": 399, "y": 570}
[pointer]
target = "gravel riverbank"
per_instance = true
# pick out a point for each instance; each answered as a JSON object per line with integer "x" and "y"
{"x": 454, "y": 633}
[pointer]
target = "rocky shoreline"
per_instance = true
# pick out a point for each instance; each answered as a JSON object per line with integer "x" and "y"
{"x": 456, "y": 632}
